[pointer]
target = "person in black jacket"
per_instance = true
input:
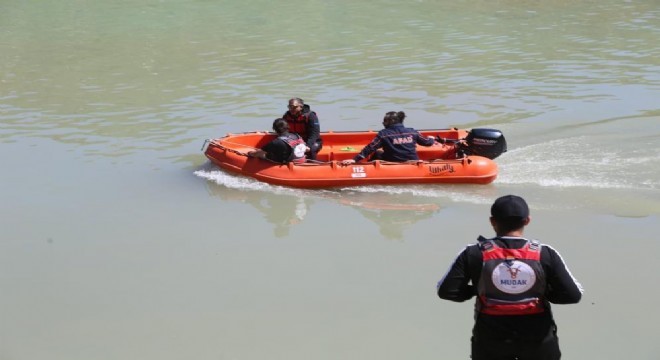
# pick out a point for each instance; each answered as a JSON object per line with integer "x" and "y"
{"x": 304, "y": 122}
{"x": 398, "y": 142}
{"x": 284, "y": 148}
{"x": 514, "y": 280}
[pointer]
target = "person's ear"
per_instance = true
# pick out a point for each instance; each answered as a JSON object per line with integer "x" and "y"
{"x": 493, "y": 223}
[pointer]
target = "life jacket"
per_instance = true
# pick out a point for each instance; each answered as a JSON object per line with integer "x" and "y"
{"x": 512, "y": 280}
{"x": 298, "y": 124}
{"x": 297, "y": 145}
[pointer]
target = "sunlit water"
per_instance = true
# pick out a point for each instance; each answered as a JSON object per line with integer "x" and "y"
{"x": 119, "y": 240}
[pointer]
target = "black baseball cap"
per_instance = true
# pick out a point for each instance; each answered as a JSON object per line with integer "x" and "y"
{"x": 509, "y": 206}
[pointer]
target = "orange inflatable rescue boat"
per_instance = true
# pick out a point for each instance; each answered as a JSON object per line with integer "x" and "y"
{"x": 458, "y": 157}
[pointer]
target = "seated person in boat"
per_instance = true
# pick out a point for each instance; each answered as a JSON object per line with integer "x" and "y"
{"x": 284, "y": 148}
{"x": 398, "y": 142}
{"x": 304, "y": 122}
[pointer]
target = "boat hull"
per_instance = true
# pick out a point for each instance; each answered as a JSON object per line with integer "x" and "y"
{"x": 437, "y": 165}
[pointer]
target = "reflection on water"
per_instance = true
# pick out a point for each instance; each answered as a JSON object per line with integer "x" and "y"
{"x": 286, "y": 207}
{"x": 393, "y": 214}
{"x": 281, "y": 210}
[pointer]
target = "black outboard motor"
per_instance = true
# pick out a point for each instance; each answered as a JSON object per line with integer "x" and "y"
{"x": 488, "y": 143}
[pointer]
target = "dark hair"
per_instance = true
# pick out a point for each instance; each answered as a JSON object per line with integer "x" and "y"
{"x": 280, "y": 126}
{"x": 298, "y": 100}
{"x": 508, "y": 224}
{"x": 394, "y": 117}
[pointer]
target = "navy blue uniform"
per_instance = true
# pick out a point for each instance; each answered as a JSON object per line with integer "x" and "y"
{"x": 398, "y": 142}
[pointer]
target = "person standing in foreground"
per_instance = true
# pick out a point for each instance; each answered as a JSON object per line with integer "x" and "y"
{"x": 398, "y": 142}
{"x": 304, "y": 122}
{"x": 514, "y": 280}
{"x": 284, "y": 148}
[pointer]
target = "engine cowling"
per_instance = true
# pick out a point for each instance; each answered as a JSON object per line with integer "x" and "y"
{"x": 488, "y": 143}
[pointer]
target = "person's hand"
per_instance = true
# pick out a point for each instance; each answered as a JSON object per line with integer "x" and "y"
{"x": 256, "y": 154}
{"x": 348, "y": 162}
{"x": 307, "y": 149}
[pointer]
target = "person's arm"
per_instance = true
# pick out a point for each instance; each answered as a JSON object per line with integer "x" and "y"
{"x": 257, "y": 154}
{"x": 313, "y": 129}
{"x": 374, "y": 145}
{"x": 562, "y": 287}
{"x": 267, "y": 152}
{"x": 455, "y": 285}
{"x": 425, "y": 141}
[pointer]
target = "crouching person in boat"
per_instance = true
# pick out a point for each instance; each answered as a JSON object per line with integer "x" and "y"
{"x": 398, "y": 142}
{"x": 286, "y": 147}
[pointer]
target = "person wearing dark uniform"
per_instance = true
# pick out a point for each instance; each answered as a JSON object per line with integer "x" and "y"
{"x": 284, "y": 148}
{"x": 514, "y": 280}
{"x": 304, "y": 122}
{"x": 398, "y": 142}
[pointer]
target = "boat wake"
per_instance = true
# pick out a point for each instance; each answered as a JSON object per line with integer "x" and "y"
{"x": 480, "y": 194}
{"x": 581, "y": 162}
{"x": 237, "y": 182}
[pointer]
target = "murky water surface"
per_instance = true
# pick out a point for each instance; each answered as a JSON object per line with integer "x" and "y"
{"x": 119, "y": 241}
